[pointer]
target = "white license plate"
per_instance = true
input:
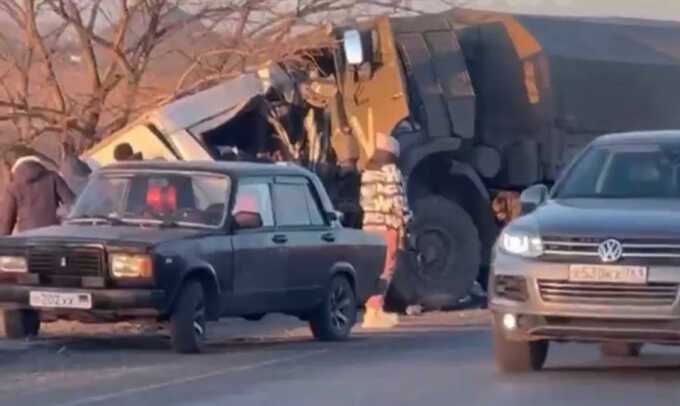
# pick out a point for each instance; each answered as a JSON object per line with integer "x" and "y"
{"x": 61, "y": 300}
{"x": 608, "y": 273}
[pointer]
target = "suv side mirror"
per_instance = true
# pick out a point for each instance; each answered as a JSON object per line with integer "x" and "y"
{"x": 533, "y": 197}
{"x": 353, "y": 46}
{"x": 246, "y": 220}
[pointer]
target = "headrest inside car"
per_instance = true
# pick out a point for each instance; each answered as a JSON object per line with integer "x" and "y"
{"x": 162, "y": 199}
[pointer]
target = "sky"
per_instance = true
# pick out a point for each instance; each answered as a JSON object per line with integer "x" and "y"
{"x": 652, "y": 9}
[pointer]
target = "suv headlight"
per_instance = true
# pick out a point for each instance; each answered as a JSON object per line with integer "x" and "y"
{"x": 522, "y": 243}
{"x": 131, "y": 266}
{"x": 13, "y": 264}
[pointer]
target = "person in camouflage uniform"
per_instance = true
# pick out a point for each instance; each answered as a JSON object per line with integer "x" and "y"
{"x": 385, "y": 211}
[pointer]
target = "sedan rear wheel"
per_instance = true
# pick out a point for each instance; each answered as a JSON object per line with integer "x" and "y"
{"x": 334, "y": 318}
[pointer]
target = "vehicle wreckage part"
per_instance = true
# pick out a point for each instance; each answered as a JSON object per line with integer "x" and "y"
{"x": 449, "y": 253}
{"x": 334, "y": 318}
{"x": 188, "y": 319}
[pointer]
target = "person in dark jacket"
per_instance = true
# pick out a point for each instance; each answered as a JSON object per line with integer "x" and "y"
{"x": 33, "y": 197}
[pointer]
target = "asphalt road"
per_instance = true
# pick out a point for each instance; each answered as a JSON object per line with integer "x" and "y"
{"x": 428, "y": 361}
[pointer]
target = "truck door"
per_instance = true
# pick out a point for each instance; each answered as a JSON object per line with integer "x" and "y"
{"x": 377, "y": 103}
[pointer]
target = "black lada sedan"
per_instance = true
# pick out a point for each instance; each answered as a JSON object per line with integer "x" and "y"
{"x": 597, "y": 258}
{"x": 186, "y": 243}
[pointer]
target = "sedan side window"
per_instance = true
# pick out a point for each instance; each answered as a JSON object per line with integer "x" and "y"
{"x": 295, "y": 206}
{"x": 255, "y": 198}
{"x": 315, "y": 214}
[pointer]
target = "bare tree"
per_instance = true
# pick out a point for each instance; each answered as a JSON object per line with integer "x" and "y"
{"x": 88, "y": 67}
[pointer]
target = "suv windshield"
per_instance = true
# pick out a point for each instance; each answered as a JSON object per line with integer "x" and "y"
{"x": 624, "y": 171}
{"x": 164, "y": 198}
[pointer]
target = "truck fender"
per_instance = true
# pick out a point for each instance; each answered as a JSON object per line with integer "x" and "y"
{"x": 462, "y": 169}
{"x": 414, "y": 156}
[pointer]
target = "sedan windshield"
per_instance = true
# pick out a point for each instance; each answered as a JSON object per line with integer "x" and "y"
{"x": 163, "y": 198}
{"x": 624, "y": 171}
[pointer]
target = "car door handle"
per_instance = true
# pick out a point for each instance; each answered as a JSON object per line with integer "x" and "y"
{"x": 280, "y": 239}
{"x": 328, "y": 237}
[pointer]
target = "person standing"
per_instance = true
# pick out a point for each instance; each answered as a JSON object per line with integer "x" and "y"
{"x": 33, "y": 197}
{"x": 385, "y": 212}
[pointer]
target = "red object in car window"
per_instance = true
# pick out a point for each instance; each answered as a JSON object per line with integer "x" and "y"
{"x": 245, "y": 203}
{"x": 162, "y": 199}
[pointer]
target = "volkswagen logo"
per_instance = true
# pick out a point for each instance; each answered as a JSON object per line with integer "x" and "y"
{"x": 610, "y": 250}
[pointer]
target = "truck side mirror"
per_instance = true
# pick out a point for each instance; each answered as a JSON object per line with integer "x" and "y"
{"x": 246, "y": 220}
{"x": 353, "y": 46}
{"x": 533, "y": 197}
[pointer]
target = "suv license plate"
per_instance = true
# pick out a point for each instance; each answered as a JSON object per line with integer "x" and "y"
{"x": 61, "y": 300}
{"x": 608, "y": 273}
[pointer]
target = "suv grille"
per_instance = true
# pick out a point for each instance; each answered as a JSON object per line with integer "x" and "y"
{"x": 654, "y": 294}
{"x": 586, "y": 249}
{"x": 65, "y": 261}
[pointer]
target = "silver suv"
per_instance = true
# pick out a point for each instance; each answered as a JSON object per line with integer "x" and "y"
{"x": 595, "y": 259}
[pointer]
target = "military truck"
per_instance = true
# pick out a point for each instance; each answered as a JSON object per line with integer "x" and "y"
{"x": 483, "y": 105}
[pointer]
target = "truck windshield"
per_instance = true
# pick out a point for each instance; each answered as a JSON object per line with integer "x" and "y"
{"x": 624, "y": 171}
{"x": 163, "y": 198}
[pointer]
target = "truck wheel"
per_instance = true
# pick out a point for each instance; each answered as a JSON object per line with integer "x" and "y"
{"x": 188, "y": 321}
{"x": 449, "y": 252}
{"x": 21, "y": 323}
{"x": 620, "y": 349}
{"x": 518, "y": 356}
{"x": 334, "y": 318}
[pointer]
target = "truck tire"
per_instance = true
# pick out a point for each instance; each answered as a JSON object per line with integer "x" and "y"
{"x": 188, "y": 320}
{"x": 518, "y": 356}
{"x": 449, "y": 253}
{"x": 620, "y": 349}
{"x": 334, "y": 318}
{"x": 21, "y": 323}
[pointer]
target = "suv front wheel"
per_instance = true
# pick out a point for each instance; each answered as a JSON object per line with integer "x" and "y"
{"x": 518, "y": 356}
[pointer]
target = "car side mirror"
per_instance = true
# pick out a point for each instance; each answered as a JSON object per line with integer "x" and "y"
{"x": 336, "y": 215}
{"x": 353, "y": 46}
{"x": 533, "y": 197}
{"x": 246, "y": 220}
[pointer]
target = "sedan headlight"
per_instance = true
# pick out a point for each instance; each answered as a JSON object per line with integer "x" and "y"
{"x": 131, "y": 266}
{"x": 522, "y": 243}
{"x": 13, "y": 264}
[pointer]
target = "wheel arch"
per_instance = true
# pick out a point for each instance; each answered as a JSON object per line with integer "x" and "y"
{"x": 207, "y": 277}
{"x": 343, "y": 268}
{"x": 459, "y": 183}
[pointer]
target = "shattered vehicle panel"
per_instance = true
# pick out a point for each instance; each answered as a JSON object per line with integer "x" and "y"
{"x": 483, "y": 105}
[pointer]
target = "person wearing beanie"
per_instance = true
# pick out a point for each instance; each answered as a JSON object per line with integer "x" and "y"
{"x": 386, "y": 212}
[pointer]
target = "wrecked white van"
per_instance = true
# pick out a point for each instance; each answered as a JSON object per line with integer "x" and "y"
{"x": 196, "y": 127}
